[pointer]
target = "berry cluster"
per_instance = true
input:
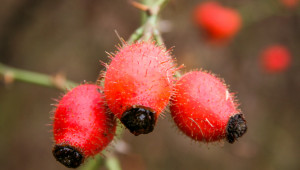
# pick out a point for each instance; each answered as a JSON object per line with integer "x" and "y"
{"x": 139, "y": 84}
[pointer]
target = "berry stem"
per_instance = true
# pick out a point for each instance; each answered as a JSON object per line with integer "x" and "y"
{"x": 58, "y": 81}
{"x": 149, "y": 28}
{"x": 93, "y": 163}
{"x": 112, "y": 163}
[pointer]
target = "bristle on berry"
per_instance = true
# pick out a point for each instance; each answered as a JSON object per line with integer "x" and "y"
{"x": 82, "y": 125}
{"x": 138, "y": 85}
{"x": 204, "y": 110}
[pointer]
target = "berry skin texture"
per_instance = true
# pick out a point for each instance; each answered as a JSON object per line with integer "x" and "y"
{"x": 275, "y": 58}
{"x": 220, "y": 23}
{"x": 204, "y": 110}
{"x": 138, "y": 85}
{"x": 82, "y": 127}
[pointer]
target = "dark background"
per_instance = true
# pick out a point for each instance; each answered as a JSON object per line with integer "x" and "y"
{"x": 71, "y": 36}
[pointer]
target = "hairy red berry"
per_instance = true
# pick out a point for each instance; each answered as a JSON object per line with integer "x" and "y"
{"x": 138, "y": 85}
{"x": 220, "y": 23}
{"x": 275, "y": 58}
{"x": 204, "y": 110}
{"x": 81, "y": 127}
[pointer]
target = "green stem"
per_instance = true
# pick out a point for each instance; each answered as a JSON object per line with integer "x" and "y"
{"x": 149, "y": 28}
{"x": 93, "y": 164}
{"x": 35, "y": 78}
{"x": 138, "y": 33}
{"x": 112, "y": 163}
{"x": 158, "y": 37}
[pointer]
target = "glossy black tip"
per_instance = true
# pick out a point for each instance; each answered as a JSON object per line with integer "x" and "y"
{"x": 236, "y": 127}
{"x": 68, "y": 156}
{"x": 139, "y": 120}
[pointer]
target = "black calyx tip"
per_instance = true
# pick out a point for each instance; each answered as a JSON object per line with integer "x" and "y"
{"x": 236, "y": 127}
{"x": 139, "y": 120}
{"x": 68, "y": 156}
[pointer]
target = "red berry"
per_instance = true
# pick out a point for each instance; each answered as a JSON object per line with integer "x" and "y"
{"x": 220, "y": 23}
{"x": 275, "y": 58}
{"x": 82, "y": 127}
{"x": 138, "y": 85}
{"x": 204, "y": 110}
{"x": 290, "y": 3}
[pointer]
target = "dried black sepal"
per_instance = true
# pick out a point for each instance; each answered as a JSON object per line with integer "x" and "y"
{"x": 68, "y": 156}
{"x": 139, "y": 120}
{"x": 236, "y": 127}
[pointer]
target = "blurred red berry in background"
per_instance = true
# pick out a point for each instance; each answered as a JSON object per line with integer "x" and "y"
{"x": 220, "y": 23}
{"x": 289, "y": 3}
{"x": 275, "y": 58}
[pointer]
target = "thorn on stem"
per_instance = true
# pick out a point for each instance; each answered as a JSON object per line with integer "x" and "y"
{"x": 140, "y": 6}
{"x": 59, "y": 80}
{"x": 8, "y": 77}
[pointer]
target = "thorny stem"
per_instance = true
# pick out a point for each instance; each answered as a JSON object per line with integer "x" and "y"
{"x": 112, "y": 163}
{"x": 10, "y": 74}
{"x": 93, "y": 164}
{"x": 149, "y": 28}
